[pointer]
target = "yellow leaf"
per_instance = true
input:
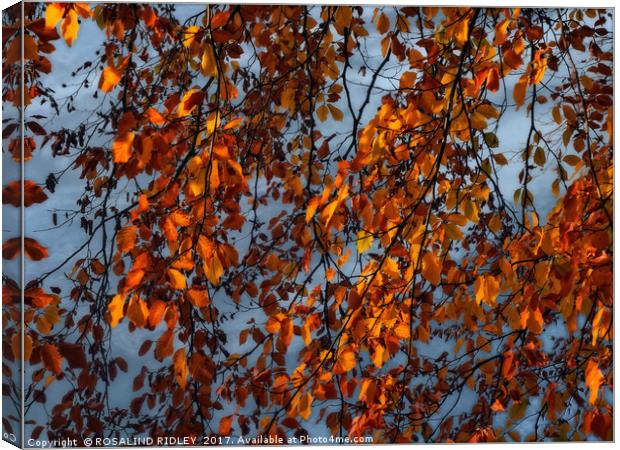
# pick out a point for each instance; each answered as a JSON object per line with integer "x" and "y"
{"x": 115, "y": 310}
{"x": 126, "y": 238}
{"x": 121, "y": 147}
{"x": 208, "y": 63}
{"x": 53, "y": 14}
{"x": 189, "y": 35}
{"x": 109, "y": 78}
{"x": 177, "y": 279}
{"x": 364, "y": 241}
{"x": 453, "y": 232}
{"x": 69, "y": 27}
{"x": 180, "y": 367}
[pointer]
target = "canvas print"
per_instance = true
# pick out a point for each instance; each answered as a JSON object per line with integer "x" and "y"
{"x": 237, "y": 224}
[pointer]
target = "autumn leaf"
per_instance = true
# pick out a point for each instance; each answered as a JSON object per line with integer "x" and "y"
{"x": 70, "y": 27}
{"x": 126, "y": 238}
{"x": 177, "y": 279}
{"x": 115, "y": 310}
{"x": 208, "y": 63}
{"x": 121, "y": 147}
{"x": 190, "y": 100}
{"x": 214, "y": 270}
{"x": 431, "y": 268}
{"x": 180, "y": 367}
{"x": 519, "y": 91}
{"x": 305, "y": 406}
{"x": 137, "y": 311}
{"x": 53, "y": 14}
{"x": 165, "y": 345}
{"x": 594, "y": 380}
{"x": 51, "y": 358}
{"x": 486, "y": 288}
{"x": 347, "y": 360}
{"x": 383, "y": 23}
{"x": 33, "y": 193}
{"x": 198, "y": 297}
{"x": 225, "y": 425}
{"x": 364, "y": 241}
{"x": 74, "y": 354}
{"x": 110, "y": 77}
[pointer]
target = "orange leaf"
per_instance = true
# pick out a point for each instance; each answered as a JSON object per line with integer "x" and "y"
{"x": 305, "y": 406}
{"x": 11, "y": 248}
{"x": 109, "y": 78}
{"x": 313, "y": 204}
{"x": 121, "y": 148}
{"x": 156, "y": 312}
{"x": 115, "y": 310}
{"x": 512, "y": 59}
{"x": 34, "y": 250}
{"x": 155, "y": 117}
{"x": 51, "y": 358}
{"x": 431, "y": 268}
{"x": 346, "y": 361}
{"x": 69, "y": 27}
{"x": 180, "y": 367}
{"x": 214, "y": 270}
{"x": 493, "y": 80}
{"x": 53, "y": 14}
{"x": 137, "y": 311}
{"x": 220, "y": 19}
{"x": 177, "y": 279}
{"x": 500, "y": 32}
{"x": 234, "y": 221}
{"x": 383, "y": 23}
{"x": 126, "y": 238}
{"x": 191, "y": 99}
{"x": 594, "y": 379}
{"x": 519, "y": 91}
{"x": 225, "y": 425}
{"x": 199, "y": 297}
{"x": 32, "y": 193}
{"x": 164, "y": 347}
{"x": 486, "y": 287}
